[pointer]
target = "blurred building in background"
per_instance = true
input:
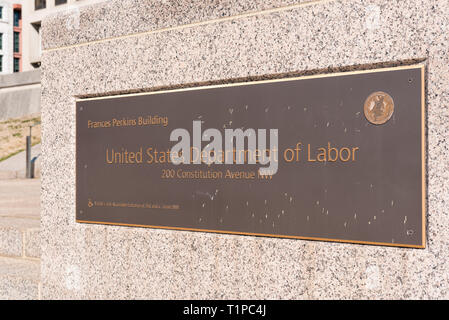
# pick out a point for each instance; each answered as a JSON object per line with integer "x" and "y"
{"x": 11, "y": 36}
{"x": 20, "y": 51}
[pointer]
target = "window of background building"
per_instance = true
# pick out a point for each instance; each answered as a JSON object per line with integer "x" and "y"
{"x": 1, "y": 41}
{"x": 58, "y": 2}
{"x": 17, "y": 17}
{"x": 1, "y": 12}
{"x": 35, "y": 42}
{"x": 16, "y": 65}
{"x": 39, "y": 4}
{"x": 1, "y": 63}
{"x": 16, "y": 42}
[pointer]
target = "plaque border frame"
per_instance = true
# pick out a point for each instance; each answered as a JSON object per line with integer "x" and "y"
{"x": 421, "y": 66}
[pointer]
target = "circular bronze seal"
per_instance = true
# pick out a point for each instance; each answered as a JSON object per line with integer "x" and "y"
{"x": 379, "y": 107}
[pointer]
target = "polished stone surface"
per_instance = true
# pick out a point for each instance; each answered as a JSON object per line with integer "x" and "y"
{"x": 92, "y": 261}
{"x": 122, "y": 18}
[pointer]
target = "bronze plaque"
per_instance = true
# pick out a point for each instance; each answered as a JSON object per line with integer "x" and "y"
{"x": 338, "y": 157}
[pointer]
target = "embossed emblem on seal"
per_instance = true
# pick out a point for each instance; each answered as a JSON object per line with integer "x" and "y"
{"x": 379, "y": 107}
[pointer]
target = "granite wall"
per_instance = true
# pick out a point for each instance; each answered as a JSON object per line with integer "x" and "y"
{"x": 131, "y": 46}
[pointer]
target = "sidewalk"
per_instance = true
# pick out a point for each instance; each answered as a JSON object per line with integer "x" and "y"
{"x": 20, "y": 198}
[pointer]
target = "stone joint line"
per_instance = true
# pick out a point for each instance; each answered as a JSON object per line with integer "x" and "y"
{"x": 194, "y": 24}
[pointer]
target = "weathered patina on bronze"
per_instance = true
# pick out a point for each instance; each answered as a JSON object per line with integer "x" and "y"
{"x": 351, "y": 159}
